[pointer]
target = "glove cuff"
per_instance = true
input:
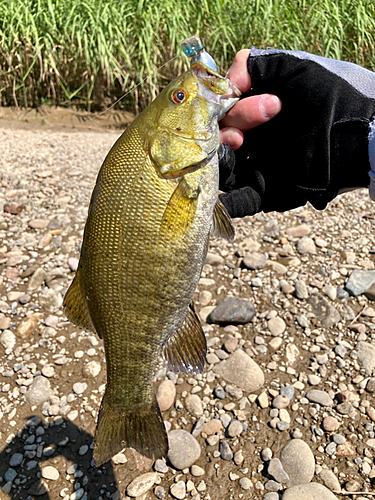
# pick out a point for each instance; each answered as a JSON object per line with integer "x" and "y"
{"x": 371, "y": 155}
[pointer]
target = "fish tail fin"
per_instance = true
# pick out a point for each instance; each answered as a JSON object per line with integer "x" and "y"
{"x": 140, "y": 427}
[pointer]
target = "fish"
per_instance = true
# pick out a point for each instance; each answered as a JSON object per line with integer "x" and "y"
{"x": 146, "y": 237}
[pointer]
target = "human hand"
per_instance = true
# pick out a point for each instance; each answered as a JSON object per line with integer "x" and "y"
{"x": 248, "y": 112}
{"x": 320, "y": 144}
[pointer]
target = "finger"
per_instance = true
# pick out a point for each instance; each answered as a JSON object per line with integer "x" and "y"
{"x": 232, "y": 136}
{"x": 238, "y": 73}
{"x": 251, "y": 112}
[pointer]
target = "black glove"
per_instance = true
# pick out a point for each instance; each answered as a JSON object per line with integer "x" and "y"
{"x": 320, "y": 144}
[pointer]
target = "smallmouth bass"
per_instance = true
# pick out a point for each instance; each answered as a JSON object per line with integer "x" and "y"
{"x": 145, "y": 242}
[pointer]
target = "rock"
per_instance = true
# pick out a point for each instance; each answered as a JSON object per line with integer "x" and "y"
{"x": 233, "y": 310}
{"x": 5, "y": 321}
{"x": 27, "y": 326}
{"x": 310, "y": 491}
{"x": 37, "y": 489}
{"x": 359, "y": 282}
{"x": 37, "y": 278}
{"x": 366, "y": 354}
{"x": 38, "y": 223}
{"x": 345, "y": 450}
{"x": 51, "y": 300}
{"x": 370, "y": 292}
{"x": 245, "y": 483}
{"x": 330, "y": 424}
{"x": 330, "y": 291}
{"x": 280, "y": 402}
{"x": 298, "y": 462}
{"x": 320, "y": 397}
{"x": 119, "y": 458}
{"x": 298, "y": 231}
{"x": 225, "y": 451}
{"x": 92, "y": 369}
{"x": 262, "y": 400}
{"x": 330, "y": 480}
{"x": 212, "y": 427}
{"x": 324, "y": 311}
{"x": 178, "y": 490}
{"x": 277, "y": 267}
{"x": 276, "y": 326}
{"x": 301, "y": 290}
{"x": 255, "y": 260}
{"x": 166, "y": 394}
{"x": 73, "y": 264}
{"x": 39, "y": 391}
{"x": 241, "y": 370}
{"x": 184, "y": 449}
{"x": 8, "y": 339}
{"x": 193, "y": 405}
{"x": 214, "y": 260}
{"x": 16, "y": 459}
{"x": 48, "y": 371}
{"x": 234, "y": 429}
{"x": 50, "y": 472}
{"x": 141, "y": 484}
{"x": 306, "y": 246}
{"x": 275, "y": 469}
{"x": 79, "y": 387}
{"x": 313, "y": 379}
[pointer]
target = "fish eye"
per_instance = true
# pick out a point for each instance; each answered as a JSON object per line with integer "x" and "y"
{"x": 178, "y": 96}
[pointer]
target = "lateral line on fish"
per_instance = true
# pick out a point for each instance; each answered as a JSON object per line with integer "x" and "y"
{"x": 93, "y": 118}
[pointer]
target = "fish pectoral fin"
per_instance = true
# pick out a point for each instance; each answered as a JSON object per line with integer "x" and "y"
{"x": 180, "y": 210}
{"x": 186, "y": 350}
{"x": 140, "y": 427}
{"x": 222, "y": 223}
{"x": 75, "y": 305}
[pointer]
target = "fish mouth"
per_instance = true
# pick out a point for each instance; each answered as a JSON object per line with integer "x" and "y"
{"x": 214, "y": 82}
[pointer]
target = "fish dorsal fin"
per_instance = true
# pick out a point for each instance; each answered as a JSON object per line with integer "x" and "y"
{"x": 75, "y": 305}
{"x": 180, "y": 210}
{"x": 186, "y": 350}
{"x": 222, "y": 223}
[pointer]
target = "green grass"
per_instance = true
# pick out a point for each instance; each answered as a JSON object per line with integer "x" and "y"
{"x": 91, "y": 52}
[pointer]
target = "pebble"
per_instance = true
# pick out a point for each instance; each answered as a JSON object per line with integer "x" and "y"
{"x": 79, "y": 387}
{"x": 255, "y": 260}
{"x": 39, "y": 391}
{"x": 245, "y": 483}
{"x": 27, "y": 326}
{"x": 310, "y": 491}
{"x": 276, "y": 326}
{"x": 298, "y": 231}
{"x": 184, "y": 449}
{"x": 50, "y": 472}
{"x": 93, "y": 368}
{"x": 225, "y": 451}
{"x": 241, "y": 370}
{"x": 193, "y": 405}
{"x": 48, "y": 371}
{"x": 119, "y": 458}
{"x": 166, "y": 394}
{"x": 234, "y": 429}
{"x": 280, "y": 402}
{"x": 366, "y": 354}
{"x": 178, "y": 490}
{"x": 298, "y": 462}
{"x": 330, "y": 291}
{"x": 141, "y": 484}
{"x": 330, "y": 424}
{"x": 266, "y": 454}
{"x": 320, "y": 397}
{"x": 324, "y": 311}
{"x": 360, "y": 281}
{"x": 330, "y": 480}
{"x": 233, "y": 310}
{"x": 8, "y": 339}
{"x": 306, "y": 246}
{"x": 301, "y": 290}
{"x": 16, "y": 459}
{"x": 276, "y": 470}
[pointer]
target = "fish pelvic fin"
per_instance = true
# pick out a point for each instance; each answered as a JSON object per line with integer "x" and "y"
{"x": 75, "y": 305}
{"x": 186, "y": 350}
{"x": 140, "y": 427}
{"x": 222, "y": 223}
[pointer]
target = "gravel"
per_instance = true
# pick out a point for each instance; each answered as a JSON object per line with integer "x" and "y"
{"x": 286, "y": 404}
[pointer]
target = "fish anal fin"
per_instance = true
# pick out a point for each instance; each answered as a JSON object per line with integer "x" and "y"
{"x": 180, "y": 210}
{"x": 222, "y": 223}
{"x": 75, "y": 305}
{"x": 140, "y": 427}
{"x": 186, "y": 350}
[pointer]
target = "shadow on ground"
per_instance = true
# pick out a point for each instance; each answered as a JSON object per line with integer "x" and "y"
{"x": 59, "y": 444}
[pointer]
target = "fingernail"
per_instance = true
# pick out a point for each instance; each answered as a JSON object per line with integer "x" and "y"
{"x": 270, "y": 105}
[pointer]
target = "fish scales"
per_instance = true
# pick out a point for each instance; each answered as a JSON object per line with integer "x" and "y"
{"x": 144, "y": 246}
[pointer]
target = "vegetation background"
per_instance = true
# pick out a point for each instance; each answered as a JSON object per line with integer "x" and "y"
{"x": 91, "y": 52}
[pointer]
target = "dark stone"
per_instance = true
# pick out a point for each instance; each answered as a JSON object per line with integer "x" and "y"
{"x": 324, "y": 311}
{"x": 233, "y": 310}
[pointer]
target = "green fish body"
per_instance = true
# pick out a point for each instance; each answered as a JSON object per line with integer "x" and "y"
{"x": 145, "y": 242}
